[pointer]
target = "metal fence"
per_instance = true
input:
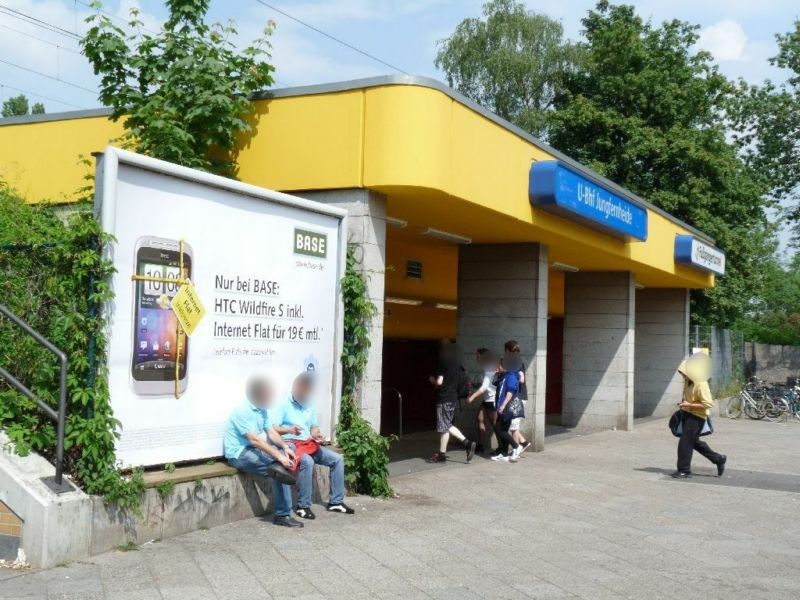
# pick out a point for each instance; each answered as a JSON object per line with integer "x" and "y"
{"x": 727, "y": 351}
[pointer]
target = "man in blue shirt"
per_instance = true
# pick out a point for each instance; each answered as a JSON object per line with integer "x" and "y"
{"x": 252, "y": 445}
{"x": 297, "y": 419}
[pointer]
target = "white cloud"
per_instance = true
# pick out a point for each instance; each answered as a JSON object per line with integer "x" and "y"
{"x": 726, "y": 40}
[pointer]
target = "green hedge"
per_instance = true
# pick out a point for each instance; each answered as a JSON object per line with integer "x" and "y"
{"x": 53, "y": 276}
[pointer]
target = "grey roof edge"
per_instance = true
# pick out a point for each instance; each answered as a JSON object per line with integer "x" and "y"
{"x": 412, "y": 80}
{"x": 68, "y": 115}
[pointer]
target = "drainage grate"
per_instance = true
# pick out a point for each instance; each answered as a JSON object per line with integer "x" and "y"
{"x": 757, "y": 480}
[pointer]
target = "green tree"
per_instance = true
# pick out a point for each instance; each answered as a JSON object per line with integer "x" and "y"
{"x": 182, "y": 93}
{"x": 766, "y": 119}
{"x": 18, "y": 107}
{"x": 508, "y": 62}
{"x": 647, "y": 111}
{"x": 775, "y": 315}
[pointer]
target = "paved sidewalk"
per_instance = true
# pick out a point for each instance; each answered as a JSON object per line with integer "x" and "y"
{"x": 592, "y": 517}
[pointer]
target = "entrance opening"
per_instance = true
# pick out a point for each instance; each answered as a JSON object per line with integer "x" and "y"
{"x": 555, "y": 365}
{"x": 408, "y": 399}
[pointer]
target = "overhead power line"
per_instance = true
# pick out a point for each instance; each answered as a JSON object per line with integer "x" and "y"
{"x": 37, "y": 22}
{"x": 331, "y": 37}
{"x": 37, "y": 95}
{"x": 25, "y": 33}
{"x": 40, "y": 74}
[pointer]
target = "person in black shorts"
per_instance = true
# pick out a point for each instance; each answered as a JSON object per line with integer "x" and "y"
{"x": 449, "y": 380}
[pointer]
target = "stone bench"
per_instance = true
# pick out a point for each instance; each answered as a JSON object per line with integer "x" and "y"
{"x": 198, "y": 473}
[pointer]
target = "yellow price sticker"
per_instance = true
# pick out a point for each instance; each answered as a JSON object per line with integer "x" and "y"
{"x": 188, "y": 307}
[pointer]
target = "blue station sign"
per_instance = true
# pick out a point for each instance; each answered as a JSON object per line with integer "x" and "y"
{"x": 557, "y": 188}
{"x": 696, "y": 253}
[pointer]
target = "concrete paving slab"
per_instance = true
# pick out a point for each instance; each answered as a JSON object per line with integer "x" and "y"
{"x": 592, "y": 517}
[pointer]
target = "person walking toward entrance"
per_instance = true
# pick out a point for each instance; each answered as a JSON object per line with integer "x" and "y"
{"x": 506, "y": 395}
{"x": 695, "y": 409}
{"x": 449, "y": 380}
{"x": 486, "y": 392}
{"x": 513, "y": 361}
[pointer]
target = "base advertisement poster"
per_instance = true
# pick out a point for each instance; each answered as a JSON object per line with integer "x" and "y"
{"x": 264, "y": 269}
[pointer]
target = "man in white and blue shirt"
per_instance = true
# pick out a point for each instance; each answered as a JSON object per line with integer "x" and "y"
{"x": 252, "y": 445}
{"x": 297, "y": 418}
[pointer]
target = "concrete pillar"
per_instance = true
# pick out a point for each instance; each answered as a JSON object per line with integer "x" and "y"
{"x": 502, "y": 295}
{"x": 662, "y": 342}
{"x": 598, "y": 350}
{"x": 366, "y": 212}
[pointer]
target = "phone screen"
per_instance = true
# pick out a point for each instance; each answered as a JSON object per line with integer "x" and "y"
{"x": 156, "y": 341}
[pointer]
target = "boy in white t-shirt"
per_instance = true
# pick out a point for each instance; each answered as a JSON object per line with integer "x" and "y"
{"x": 486, "y": 392}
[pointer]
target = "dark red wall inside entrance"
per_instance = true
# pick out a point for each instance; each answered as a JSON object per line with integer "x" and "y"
{"x": 555, "y": 365}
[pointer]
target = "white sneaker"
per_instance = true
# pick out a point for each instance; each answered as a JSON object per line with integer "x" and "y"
{"x": 500, "y": 458}
{"x": 514, "y": 456}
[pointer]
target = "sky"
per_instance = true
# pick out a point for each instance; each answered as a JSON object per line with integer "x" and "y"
{"x": 35, "y": 35}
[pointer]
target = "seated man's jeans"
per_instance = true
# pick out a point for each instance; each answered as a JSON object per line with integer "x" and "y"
{"x": 256, "y": 462}
{"x": 327, "y": 458}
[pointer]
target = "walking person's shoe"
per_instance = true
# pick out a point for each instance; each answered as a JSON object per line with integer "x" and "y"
{"x": 341, "y": 508}
{"x": 681, "y": 475}
{"x": 305, "y": 513}
{"x": 524, "y": 447}
{"x": 500, "y": 458}
{"x": 286, "y": 521}
{"x": 438, "y": 457}
{"x": 721, "y": 466}
{"x": 514, "y": 456}
{"x": 470, "y": 447}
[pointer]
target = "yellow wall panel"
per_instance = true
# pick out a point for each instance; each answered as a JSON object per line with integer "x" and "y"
{"x": 440, "y": 163}
{"x": 418, "y": 322}
{"x": 41, "y": 160}
{"x": 305, "y": 142}
{"x": 439, "y": 270}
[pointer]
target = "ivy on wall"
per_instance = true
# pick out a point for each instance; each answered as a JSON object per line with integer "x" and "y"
{"x": 365, "y": 450}
{"x": 53, "y": 276}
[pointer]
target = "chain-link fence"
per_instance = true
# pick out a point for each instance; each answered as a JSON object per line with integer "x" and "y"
{"x": 726, "y": 348}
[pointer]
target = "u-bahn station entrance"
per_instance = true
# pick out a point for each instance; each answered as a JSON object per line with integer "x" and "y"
{"x": 467, "y": 228}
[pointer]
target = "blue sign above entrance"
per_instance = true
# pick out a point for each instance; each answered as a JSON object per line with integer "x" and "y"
{"x": 556, "y": 188}
{"x": 696, "y": 253}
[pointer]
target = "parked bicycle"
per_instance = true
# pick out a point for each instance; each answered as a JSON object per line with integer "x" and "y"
{"x": 758, "y": 401}
{"x": 787, "y": 401}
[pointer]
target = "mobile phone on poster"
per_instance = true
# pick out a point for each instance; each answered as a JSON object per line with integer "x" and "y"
{"x": 156, "y": 345}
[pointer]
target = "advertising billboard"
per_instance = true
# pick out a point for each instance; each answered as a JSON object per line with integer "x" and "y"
{"x": 253, "y": 275}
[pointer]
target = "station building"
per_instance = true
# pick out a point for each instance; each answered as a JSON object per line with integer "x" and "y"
{"x": 468, "y": 228}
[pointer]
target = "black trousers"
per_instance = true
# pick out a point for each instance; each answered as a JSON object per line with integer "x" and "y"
{"x": 690, "y": 441}
{"x": 504, "y": 438}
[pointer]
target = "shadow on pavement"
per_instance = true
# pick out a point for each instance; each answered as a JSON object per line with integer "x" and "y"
{"x": 757, "y": 480}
